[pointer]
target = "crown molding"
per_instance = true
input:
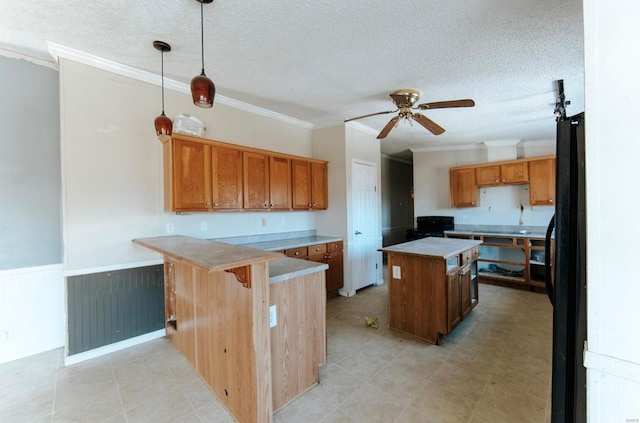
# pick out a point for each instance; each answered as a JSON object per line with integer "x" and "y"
{"x": 58, "y": 51}
{"x": 362, "y": 127}
{"x": 448, "y": 148}
{"x": 501, "y": 143}
{"x": 34, "y": 60}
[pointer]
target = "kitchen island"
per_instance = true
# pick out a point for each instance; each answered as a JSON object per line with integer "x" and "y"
{"x": 217, "y": 301}
{"x": 432, "y": 285}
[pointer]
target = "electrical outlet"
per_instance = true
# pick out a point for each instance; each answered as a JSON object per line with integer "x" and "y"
{"x": 396, "y": 272}
{"x": 169, "y": 228}
{"x": 283, "y": 221}
{"x": 263, "y": 221}
{"x": 203, "y": 226}
{"x": 273, "y": 318}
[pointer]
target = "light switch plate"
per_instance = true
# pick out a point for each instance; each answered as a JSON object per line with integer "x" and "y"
{"x": 273, "y": 318}
{"x": 396, "y": 272}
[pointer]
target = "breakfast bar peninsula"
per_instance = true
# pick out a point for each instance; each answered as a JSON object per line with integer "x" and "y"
{"x": 433, "y": 285}
{"x": 250, "y": 322}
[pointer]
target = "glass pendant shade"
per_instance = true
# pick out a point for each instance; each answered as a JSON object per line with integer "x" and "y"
{"x": 203, "y": 90}
{"x": 164, "y": 125}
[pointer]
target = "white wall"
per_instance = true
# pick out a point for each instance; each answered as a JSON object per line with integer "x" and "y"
{"x": 497, "y": 205}
{"x": 112, "y": 167}
{"x": 612, "y": 85}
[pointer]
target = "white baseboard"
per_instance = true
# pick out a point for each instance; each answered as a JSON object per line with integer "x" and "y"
{"x": 117, "y": 346}
{"x": 346, "y": 293}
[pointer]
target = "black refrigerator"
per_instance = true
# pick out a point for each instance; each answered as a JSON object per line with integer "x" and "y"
{"x": 566, "y": 277}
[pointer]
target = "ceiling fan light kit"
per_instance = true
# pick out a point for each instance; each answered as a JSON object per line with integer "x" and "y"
{"x": 203, "y": 90}
{"x": 164, "y": 125}
{"x": 404, "y": 101}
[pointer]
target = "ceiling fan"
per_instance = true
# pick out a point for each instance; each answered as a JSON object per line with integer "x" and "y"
{"x": 404, "y": 101}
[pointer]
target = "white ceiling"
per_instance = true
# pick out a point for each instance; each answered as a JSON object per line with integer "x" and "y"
{"x": 323, "y": 61}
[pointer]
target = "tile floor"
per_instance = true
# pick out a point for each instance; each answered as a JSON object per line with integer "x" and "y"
{"x": 494, "y": 367}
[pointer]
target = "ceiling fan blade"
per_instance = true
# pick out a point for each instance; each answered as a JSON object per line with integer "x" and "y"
{"x": 447, "y": 104}
{"x": 428, "y": 123}
{"x": 371, "y": 114}
{"x": 388, "y": 127}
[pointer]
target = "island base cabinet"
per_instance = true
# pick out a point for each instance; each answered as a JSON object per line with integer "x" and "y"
{"x": 298, "y": 340}
{"x": 453, "y": 301}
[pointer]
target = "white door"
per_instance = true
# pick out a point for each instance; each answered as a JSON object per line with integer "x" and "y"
{"x": 364, "y": 225}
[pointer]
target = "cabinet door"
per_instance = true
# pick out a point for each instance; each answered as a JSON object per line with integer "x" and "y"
{"x": 319, "y": 192}
{"x": 256, "y": 180}
{"x": 487, "y": 176}
{"x": 453, "y": 300}
{"x": 280, "y": 182}
{"x": 514, "y": 173}
{"x": 542, "y": 182}
{"x": 463, "y": 188}
{"x": 335, "y": 273}
{"x": 191, "y": 175}
{"x": 226, "y": 164}
{"x": 465, "y": 290}
{"x": 301, "y": 178}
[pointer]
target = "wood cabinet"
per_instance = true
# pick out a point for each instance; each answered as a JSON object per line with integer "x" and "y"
{"x": 206, "y": 175}
{"x": 267, "y": 181}
{"x": 539, "y": 173}
{"x": 279, "y": 182}
{"x": 329, "y": 253}
{"x": 430, "y": 294}
{"x": 191, "y": 172}
{"x": 542, "y": 178}
{"x": 310, "y": 183}
{"x": 464, "y": 192}
{"x": 510, "y": 173}
{"x": 226, "y": 165}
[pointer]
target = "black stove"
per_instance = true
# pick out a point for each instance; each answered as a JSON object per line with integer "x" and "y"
{"x": 430, "y": 226}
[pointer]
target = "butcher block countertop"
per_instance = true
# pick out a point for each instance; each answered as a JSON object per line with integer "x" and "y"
{"x": 211, "y": 255}
{"x": 432, "y": 247}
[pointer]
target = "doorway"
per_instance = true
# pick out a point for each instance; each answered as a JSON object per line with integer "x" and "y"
{"x": 364, "y": 224}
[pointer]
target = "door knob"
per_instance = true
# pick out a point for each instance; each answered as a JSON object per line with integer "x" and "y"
{"x": 358, "y": 233}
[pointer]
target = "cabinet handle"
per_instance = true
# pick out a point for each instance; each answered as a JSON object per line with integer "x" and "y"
{"x": 297, "y": 253}
{"x": 497, "y": 180}
{"x": 208, "y": 203}
{"x": 314, "y": 204}
{"x": 266, "y": 205}
{"x": 327, "y": 257}
{"x": 309, "y": 205}
{"x": 215, "y": 204}
{"x": 271, "y": 205}
{"x": 504, "y": 180}
{"x": 551, "y": 201}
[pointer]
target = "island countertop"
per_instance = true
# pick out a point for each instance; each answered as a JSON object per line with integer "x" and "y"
{"x": 498, "y": 233}
{"x": 283, "y": 244}
{"x": 211, "y": 255}
{"x": 432, "y": 247}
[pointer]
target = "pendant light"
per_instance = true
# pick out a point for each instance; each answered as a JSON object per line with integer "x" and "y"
{"x": 202, "y": 88}
{"x": 164, "y": 126}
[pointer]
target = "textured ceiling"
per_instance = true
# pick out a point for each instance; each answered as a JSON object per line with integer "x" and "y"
{"x": 323, "y": 61}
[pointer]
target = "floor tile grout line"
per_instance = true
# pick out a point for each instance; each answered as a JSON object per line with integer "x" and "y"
{"x": 115, "y": 379}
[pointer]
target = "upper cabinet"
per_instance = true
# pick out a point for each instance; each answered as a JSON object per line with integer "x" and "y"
{"x": 542, "y": 182}
{"x": 508, "y": 174}
{"x": 205, "y": 175}
{"x": 226, "y": 164}
{"x": 309, "y": 184}
{"x": 539, "y": 173}
{"x": 191, "y": 170}
{"x": 464, "y": 190}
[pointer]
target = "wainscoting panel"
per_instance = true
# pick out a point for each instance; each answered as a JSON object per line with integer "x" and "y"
{"x": 31, "y": 311}
{"x": 108, "y": 307}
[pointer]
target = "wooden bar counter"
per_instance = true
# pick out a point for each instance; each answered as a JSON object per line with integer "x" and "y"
{"x": 217, "y": 312}
{"x": 432, "y": 285}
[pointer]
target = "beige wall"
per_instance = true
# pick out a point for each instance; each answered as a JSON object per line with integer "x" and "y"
{"x": 112, "y": 167}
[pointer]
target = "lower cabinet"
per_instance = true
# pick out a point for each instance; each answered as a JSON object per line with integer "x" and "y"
{"x": 463, "y": 293}
{"x": 329, "y": 253}
{"x": 453, "y": 300}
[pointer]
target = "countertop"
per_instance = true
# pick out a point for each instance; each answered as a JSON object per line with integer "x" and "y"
{"x": 211, "y": 255}
{"x": 283, "y": 244}
{"x": 288, "y": 268}
{"x": 530, "y": 235}
{"x": 432, "y": 247}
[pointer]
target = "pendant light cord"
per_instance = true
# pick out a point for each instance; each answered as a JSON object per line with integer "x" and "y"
{"x": 202, "y": 33}
{"x": 162, "y": 71}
